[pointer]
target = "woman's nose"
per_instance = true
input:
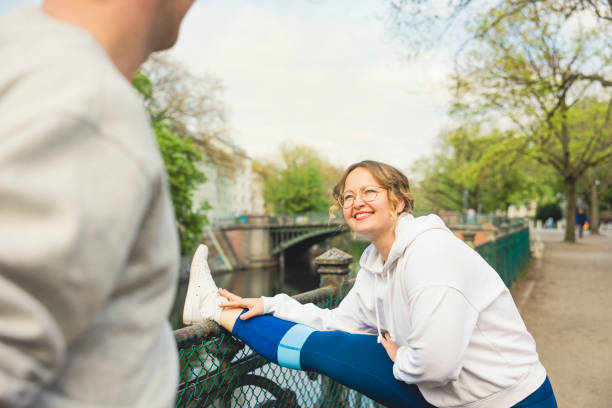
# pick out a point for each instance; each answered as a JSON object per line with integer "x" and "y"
{"x": 358, "y": 201}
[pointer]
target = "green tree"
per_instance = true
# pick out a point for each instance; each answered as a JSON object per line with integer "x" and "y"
{"x": 180, "y": 158}
{"x": 543, "y": 74}
{"x": 592, "y": 186}
{"x": 297, "y": 183}
{"x": 478, "y": 170}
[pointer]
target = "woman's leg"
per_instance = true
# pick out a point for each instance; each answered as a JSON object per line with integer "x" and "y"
{"x": 543, "y": 397}
{"x": 355, "y": 360}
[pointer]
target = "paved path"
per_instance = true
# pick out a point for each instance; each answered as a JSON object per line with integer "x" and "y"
{"x": 566, "y": 303}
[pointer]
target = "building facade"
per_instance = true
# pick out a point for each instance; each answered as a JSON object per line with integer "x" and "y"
{"x": 232, "y": 188}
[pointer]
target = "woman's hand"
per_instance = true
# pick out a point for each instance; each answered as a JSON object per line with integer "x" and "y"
{"x": 390, "y": 347}
{"x": 255, "y": 305}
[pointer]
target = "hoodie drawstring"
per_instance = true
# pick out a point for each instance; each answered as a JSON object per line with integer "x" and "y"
{"x": 379, "y": 339}
{"x": 380, "y": 336}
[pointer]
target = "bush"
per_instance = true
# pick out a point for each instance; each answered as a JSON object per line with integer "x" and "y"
{"x": 544, "y": 211}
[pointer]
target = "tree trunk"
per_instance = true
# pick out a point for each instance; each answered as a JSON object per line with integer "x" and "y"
{"x": 570, "y": 210}
{"x": 594, "y": 219}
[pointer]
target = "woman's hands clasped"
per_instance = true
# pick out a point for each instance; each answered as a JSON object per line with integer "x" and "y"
{"x": 255, "y": 305}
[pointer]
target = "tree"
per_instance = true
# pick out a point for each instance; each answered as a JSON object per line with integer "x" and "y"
{"x": 477, "y": 170}
{"x": 298, "y": 182}
{"x": 180, "y": 158}
{"x": 194, "y": 106}
{"x": 423, "y": 24}
{"x": 593, "y": 184}
{"x": 192, "y": 101}
{"x": 543, "y": 74}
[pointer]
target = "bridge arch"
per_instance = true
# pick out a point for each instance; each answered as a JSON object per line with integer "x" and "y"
{"x": 284, "y": 237}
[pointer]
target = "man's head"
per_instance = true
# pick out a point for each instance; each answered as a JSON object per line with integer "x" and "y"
{"x": 129, "y": 30}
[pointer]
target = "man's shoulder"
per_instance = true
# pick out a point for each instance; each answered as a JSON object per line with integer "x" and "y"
{"x": 65, "y": 59}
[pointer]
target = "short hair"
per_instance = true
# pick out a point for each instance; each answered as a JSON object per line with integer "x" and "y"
{"x": 390, "y": 178}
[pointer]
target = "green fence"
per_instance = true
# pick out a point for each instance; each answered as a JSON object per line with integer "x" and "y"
{"x": 216, "y": 370}
{"x": 507, "y": 254}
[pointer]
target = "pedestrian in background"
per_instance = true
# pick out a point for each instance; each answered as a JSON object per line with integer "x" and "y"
{"x": 88, "y": 245}
{"x": 581, "y": 220}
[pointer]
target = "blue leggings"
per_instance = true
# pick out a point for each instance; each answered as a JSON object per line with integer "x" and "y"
{"x": 355, "y": 360}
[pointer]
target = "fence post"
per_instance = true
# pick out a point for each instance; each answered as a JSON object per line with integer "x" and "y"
{"x": 468, "y": 237}
{"x": 333, "y": 267}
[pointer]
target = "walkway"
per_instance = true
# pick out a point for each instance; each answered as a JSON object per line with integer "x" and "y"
{"x": 566, "y": 303}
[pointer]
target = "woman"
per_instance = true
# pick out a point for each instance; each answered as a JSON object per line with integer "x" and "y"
{"x": 450, "y": 333}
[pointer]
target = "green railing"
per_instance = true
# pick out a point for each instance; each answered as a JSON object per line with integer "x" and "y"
{"x": 507, "y": 254}
{"x": 217, "y": 370}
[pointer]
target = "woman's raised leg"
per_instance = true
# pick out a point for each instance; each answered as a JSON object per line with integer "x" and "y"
{"x": 355, "y": 360}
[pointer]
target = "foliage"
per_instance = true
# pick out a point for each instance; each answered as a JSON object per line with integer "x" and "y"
{"x": 180, "y": 158}
{"x": 541, "y": 74}
{"x": 477, "y": 170}
{"x": 192, "y": 102}
{"x": 298, "y": 181}
{"x": 548, "y": 210}
{"x": 592, "y": 187}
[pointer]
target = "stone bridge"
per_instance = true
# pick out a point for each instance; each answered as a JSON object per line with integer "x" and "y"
{"x": 259, "y": 241}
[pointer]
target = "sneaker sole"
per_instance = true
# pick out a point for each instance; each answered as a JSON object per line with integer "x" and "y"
{"x": 190, "y": 310}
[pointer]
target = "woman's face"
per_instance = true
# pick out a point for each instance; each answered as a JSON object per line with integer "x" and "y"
{"x": 371, "y": 219}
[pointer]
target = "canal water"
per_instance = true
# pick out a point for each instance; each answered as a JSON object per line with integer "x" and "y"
{"x": 295, "y": 278}
{"x": 254, "y": 283}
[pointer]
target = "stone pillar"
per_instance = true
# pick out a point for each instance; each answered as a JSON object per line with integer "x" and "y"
{"x": 333, "y": 267}
{"x": 468, "y": 237}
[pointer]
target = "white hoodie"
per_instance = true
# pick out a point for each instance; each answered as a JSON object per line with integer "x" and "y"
{"x": 462, "y": 340}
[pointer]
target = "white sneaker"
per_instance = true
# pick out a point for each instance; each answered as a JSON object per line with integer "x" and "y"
{"x": 202, "y": 300}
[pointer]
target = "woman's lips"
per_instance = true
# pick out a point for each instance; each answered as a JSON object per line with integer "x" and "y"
{"x": 362, "y": 215}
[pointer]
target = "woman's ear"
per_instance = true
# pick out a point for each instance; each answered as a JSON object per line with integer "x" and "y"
{"x": 400, "y": 207}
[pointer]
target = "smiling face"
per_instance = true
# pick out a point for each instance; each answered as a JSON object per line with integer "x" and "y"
{"x": 371, "y": 219}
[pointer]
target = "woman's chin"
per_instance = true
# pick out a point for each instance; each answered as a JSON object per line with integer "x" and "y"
{"x": 362, "y": 227}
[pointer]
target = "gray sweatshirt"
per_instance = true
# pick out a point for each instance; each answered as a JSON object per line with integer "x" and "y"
{"x": 88, "y": 245}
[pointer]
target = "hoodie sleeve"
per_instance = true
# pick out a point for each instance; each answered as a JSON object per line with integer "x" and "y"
{"x": 349, "y": 316}
{"x": 441, "y": 325}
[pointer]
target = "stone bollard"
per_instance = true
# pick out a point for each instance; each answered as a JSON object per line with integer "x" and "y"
{"x": 468, "y": 237}
{"x": 333, "y": 267}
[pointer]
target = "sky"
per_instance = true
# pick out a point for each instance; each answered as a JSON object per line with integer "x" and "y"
{"x": 323, "y": 73}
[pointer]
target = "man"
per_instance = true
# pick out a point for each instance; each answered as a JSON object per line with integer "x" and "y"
{"x": 581, "y": 220}
{"x": 88, "y": 246}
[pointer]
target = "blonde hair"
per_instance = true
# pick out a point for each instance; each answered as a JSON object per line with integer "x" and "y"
{"x": 390, "y": 178}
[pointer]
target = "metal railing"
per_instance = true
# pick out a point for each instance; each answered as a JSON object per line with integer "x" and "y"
{"x": 507, "y": 254}
{"x": 217, "y": 370}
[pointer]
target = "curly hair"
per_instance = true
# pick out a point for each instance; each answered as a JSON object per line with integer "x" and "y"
{"x": 390, "y": 178}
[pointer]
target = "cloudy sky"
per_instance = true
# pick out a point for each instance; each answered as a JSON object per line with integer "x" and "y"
{"x": 324, "y": 73}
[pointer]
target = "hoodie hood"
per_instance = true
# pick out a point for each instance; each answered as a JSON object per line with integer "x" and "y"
{"x": 407, "y": 229}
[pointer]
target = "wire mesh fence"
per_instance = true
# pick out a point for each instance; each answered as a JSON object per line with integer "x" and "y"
{"x": 217, "y": 370}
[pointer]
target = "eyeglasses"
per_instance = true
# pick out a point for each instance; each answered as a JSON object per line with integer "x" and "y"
{"x": 367, "y": 194}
